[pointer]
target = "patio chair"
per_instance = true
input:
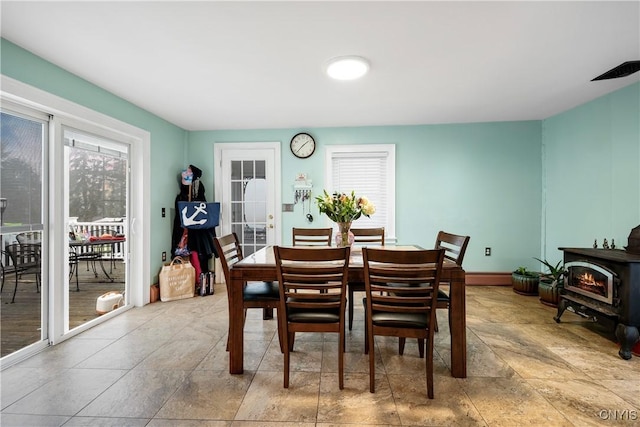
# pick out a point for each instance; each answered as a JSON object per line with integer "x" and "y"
{"x": 73, "y": 268}
{"x": 25, "y": 260}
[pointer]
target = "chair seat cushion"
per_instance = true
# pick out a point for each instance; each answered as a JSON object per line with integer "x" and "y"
{"x": 401, "y": 320}
{"x": 309, "y": 316}
{"x": 442, "y": 296}
{"x": 261, "y": 290}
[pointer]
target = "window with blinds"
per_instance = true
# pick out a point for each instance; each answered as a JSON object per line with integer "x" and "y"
{"x": 369, "y": 170}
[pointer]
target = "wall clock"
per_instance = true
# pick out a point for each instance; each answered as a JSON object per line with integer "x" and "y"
{"x": 303, "y": 145}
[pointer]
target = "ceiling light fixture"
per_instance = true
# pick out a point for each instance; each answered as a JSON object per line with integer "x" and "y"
{"x": 347, "y": 67}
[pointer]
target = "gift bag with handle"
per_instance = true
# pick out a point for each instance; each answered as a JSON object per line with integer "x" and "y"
{"x": 177, "y": 280}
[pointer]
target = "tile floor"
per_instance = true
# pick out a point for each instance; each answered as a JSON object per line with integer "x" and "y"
{"x": 165, "y": 365}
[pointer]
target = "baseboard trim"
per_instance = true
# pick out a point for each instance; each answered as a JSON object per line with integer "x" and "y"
{"x": 488, "y": 278}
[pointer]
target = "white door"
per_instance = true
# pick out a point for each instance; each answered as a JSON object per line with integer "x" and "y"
{"x": 247, "y": 187}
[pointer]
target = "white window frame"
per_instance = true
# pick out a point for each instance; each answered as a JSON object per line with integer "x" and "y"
{"x": 387, "y": 151}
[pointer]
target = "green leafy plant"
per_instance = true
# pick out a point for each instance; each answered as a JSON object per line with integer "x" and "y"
{"x": 556, "y": 272}
{"x": 524, "y": 272}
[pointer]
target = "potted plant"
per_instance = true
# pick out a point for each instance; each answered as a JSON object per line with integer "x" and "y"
{"x": 551, "y": 283}
{"x": 525, "y": 282}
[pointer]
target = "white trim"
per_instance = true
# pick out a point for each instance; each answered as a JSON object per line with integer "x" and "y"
{"x": 67, "y": 112}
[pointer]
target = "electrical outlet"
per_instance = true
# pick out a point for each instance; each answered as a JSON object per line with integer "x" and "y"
{"x": 487, "y": 251}
{"x": 164, "y": 212}
{"x": 164, "y": 256}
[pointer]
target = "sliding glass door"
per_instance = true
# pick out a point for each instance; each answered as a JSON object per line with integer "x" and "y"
{"x": 96, "y": 183}
{"x": 23, "y": 137}
{"x": 96, "y": 217}
{"x": 68, "y": 207}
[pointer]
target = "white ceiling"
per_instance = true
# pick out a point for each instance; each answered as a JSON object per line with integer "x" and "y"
{"x": 252, "y": 65}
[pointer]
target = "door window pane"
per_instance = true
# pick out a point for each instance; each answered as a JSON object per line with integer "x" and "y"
{"x": 97, "y": 209}
{"x": 249, "y": 203}
{"x": 21, "y": 173}
{"x": 21, "y": 211}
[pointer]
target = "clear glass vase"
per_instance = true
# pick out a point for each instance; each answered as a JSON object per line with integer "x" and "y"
{"x": 345, "y": 236}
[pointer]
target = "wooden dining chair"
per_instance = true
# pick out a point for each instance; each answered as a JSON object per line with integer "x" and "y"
{"x": 455, "y": 247}
{"x": 363, "y": 237}
{"x": 406, "y": 310}
{"x": 312, "y": 236}
{"x": 313, "y": 284}
{"x": 265, "y": 295}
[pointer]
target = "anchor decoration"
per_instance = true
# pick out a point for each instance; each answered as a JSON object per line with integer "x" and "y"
{"x": 196, "y": 215}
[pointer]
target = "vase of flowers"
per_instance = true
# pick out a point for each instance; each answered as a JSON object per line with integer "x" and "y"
{"x": 344, "y": 237}
{"x": 343, "y": 209}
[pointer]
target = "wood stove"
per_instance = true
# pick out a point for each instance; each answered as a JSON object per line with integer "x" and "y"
{"x": 604, "y": 284}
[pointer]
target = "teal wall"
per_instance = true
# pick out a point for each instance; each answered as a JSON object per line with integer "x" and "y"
{"x": 592, "y": 172}
{"x": 483, "y": 180}
{"x": 167, "y": 140}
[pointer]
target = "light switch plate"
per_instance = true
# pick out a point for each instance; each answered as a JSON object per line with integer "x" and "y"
{"x": 287, "y": 207}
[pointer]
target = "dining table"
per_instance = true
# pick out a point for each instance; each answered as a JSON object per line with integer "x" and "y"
{"x": 261, "y": 266}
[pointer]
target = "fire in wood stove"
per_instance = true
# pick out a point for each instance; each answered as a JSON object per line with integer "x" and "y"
{"x": 590, "y": 280}
{"x": 589, "y": 283}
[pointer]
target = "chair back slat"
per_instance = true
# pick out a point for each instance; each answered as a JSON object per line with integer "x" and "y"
{"x": 454, "y": 245}
{"x": 312, "y": 236}
{"x": 368, "y": 236}
{"x": 312, "y": 278}
{"x": 229, "y": 250}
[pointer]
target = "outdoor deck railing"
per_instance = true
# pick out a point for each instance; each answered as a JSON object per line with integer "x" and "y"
{"x": 97, "y": 229}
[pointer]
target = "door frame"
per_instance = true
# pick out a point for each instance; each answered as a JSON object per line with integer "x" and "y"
{"x": 219, "y": 149}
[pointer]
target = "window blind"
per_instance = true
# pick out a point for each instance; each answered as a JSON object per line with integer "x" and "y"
{"x": 367, "y": 175}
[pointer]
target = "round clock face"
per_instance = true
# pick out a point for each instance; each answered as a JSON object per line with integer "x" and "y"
{"x": 303, "y": 145}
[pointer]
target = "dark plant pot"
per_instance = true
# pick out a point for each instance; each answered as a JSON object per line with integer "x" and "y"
{"x": 549, "y": 293}
{"x": 525, "y": 285}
